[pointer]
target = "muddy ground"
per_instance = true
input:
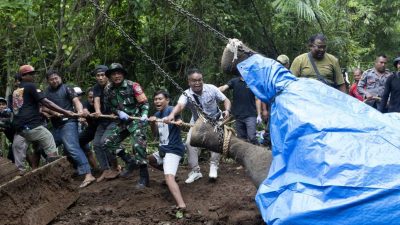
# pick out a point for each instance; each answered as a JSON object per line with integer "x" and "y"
{"x": 230, "y": 200}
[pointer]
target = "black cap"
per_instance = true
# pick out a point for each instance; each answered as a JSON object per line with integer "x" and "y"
{"x": 100, "y": 69}
{"x": 395, "y": 61}
{"x": 3, "y": 100}
{"x": 115, "y": 67}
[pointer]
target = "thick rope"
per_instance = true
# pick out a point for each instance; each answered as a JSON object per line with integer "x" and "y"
{"x": 228, "y": 131}
{"x": 205, "y": 117}
{"x": 233, "y": 46}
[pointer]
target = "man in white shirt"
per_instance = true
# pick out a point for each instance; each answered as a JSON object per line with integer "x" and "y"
{"x": 207, "y": 96}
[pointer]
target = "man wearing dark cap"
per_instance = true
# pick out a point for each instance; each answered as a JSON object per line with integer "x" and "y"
{"x": 392, "y": 89}
{"x": 27, "y": 118}
{"x": 126, "y": 98}
{"x": 97, "y": 127}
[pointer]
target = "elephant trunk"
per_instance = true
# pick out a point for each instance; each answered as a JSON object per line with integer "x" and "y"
{"x": 256, "y": 159}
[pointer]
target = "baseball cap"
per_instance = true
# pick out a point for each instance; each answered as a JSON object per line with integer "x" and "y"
{"x": 3, "y": 100}
{"x": 26, "y": 69}
{"x": 283, "y": 59}
{"x": 79, "y": 91}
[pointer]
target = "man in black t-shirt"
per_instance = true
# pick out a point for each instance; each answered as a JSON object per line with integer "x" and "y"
{"x": 27, "y": 119}
{"x": 108, "y": 162}
{"x": 65, "y": 130}
{"x": 392, "y": 89}
{"x": 246, "y": 109}
{"x": 88, "y": 128}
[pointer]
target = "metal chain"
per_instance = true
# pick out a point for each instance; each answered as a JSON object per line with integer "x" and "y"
{"x": 158, "y": 68}
{"x": 197, "y": 20}
{"x": 217, "y": 128}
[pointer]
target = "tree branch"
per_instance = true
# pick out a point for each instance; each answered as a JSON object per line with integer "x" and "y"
{"x": 88, "y": 40}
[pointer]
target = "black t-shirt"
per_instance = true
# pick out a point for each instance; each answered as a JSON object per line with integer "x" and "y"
{"x": 61, "y": 96}
{"x": 98, "y": 91}
{"x": 244, "y": 103}
{"x": 88, "y": 106}
{"x": 26, "y": 106}
{"x": 392, "y": 89}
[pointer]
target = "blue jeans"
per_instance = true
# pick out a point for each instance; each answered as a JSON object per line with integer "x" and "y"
{"x": 246, "y": 129}
{"x": 67, "y": 135}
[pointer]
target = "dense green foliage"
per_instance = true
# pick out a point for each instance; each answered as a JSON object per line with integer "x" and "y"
{"x": 71, "y": 36}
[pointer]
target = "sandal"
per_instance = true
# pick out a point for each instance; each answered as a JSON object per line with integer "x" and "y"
{"x": 86, "y": 183}
{"x": 179, "y": 212}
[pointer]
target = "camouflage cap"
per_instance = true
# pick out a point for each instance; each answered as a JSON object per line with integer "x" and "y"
{"x": 116, "y": 67}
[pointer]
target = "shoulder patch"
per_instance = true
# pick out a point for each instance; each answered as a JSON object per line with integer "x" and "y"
{"x": 138, "y": 93}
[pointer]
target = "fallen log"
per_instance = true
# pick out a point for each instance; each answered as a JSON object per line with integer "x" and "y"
{"x": 8, "y": 170}
{"x": 255, "y": 159}
{"x": 39, "y": 196}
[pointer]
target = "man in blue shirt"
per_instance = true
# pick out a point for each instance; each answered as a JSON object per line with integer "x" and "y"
{"x": 171, "y": 148}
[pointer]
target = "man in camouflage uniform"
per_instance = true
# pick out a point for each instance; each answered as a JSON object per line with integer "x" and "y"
{"x": 372, "y": 82}
{"x": 126, "y": 98}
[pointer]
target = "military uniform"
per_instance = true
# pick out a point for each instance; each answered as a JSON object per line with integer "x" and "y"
{"x": 130, "y": 98}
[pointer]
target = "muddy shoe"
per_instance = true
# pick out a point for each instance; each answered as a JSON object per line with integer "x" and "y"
{"x": 194, "y": 175}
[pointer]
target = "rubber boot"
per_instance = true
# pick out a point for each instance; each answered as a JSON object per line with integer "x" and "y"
{"x": 125, "y": 157}
{"x": 130, "y": 167}
{"x": 144, "y": 177}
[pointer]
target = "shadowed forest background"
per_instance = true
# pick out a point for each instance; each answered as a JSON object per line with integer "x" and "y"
{"x": 72, "y": 36}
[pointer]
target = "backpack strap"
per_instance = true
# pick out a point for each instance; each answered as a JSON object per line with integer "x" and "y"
{"x": 319, "y": 77}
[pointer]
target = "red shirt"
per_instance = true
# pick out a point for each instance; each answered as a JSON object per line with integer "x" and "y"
{"x": 353, "y": 92}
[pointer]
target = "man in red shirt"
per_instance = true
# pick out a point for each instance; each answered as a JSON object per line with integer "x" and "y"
{"x": 353, "y": 89}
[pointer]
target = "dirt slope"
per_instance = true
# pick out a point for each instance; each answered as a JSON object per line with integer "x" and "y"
{"x": 228, "y": 201}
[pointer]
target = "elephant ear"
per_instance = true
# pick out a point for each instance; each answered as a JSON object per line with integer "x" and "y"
{"x": 234, "y": 53}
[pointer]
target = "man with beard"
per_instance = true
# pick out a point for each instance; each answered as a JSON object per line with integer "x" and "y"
{"x": 318, "y": 64}
{"x": 372, "y": 82}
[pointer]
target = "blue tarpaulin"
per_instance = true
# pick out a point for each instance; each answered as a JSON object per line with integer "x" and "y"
{"x": 335, "y": 161}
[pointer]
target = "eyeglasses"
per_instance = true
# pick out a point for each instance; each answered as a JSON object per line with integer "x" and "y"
{"x": 322, "y": 47}
{"x": 196, "y": 81}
